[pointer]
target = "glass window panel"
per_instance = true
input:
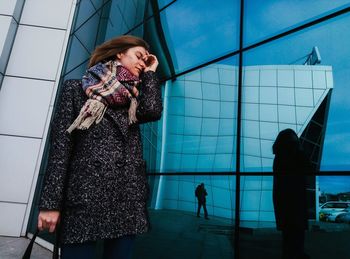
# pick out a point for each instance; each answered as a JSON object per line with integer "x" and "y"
{"x": 227, "y": 127}
{"x": 224, "y": 145}
{"x": 175, "y": 199}
{"x": 176, "y": 105}
{"x": 268, "y": 130}
{"x": 163, "y": 3}
{"x": 304, "y": 97}
{"x": 207, "y": 127}
{"x": 226, "y": 92}
{"x": 250, "y": 129}
{"x": 332, "y": 190}
{"x": 77, "y": 55}
{"x": 286, "y": 114}
{"x": 85, "y": 10}
{"x": 250, "y": 95}
{"x": 312, "y": 85}
{"x": 264, "y": 19}
{"x": 228, "y": 74}
{"x": 268, "y": 95}
{"x": 208, "y": 145}
{"x": 193, "y": 126}
{"x": 193, "y": 89}
{"x": 210, "y": 126}
{"x": 210, "y": 75}
{"x": 266, "y": 150}
{"x": 319, "y": 79}
{"x": 205, "y": 162}
{"x": 251, "y": 147}
{"x": 268, "y": 112}
{"x": 211, "y": 91}
{"x": 205, "y": 36}
{"x": 302, "y": 114}
{"x": 176, "y": 124}
{"x": 318, "y": 96}
{"x": 268, "y": 77}
{"x": 191, "y": 144}
{"x": 85, "y": 32}
{"x": 250, "y": 111}
{"x": 251, "y": 76}
{"x": 303, "y": 78}
{"x": 285, "y": 77}
{"x": 286, "y": 95}
{"x": 211, "y": 109}
{"x": 193, "y": 107}
{"x": 177, "y": 88}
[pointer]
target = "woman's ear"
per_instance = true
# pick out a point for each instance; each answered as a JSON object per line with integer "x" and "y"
{"x": 119, "y": 55}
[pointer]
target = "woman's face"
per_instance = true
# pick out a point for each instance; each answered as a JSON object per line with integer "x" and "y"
{"x": 134, "y": 59}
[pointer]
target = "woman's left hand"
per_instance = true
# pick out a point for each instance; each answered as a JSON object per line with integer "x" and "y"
{"x": 151, "y": 62}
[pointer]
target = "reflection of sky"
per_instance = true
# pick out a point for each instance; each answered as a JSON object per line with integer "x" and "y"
{"x": 334, "y": 184}
{"x": 200, "y": 30}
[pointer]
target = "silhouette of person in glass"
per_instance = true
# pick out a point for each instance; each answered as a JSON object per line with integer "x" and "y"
{"x": 289, "y": 193}
{"x": 201, "y": 192}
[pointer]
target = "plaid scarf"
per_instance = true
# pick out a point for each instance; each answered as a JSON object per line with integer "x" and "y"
{"x": 106, "y": 84}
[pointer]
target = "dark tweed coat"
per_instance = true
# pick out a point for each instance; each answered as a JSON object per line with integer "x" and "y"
{"x": 107, "y": 188}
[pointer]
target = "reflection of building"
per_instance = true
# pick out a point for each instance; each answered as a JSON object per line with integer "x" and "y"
{"x": 200, "y": 135}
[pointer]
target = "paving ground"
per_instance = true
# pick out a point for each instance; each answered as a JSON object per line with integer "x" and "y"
{"x": 181, "y": 235}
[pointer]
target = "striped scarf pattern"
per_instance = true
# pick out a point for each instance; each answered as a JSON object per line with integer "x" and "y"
{"x": 106, "y": 84}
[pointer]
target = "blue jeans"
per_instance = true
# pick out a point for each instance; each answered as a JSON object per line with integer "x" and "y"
{"x": 117, "y": 248}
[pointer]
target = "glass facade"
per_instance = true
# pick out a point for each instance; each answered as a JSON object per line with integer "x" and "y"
{"x": 225, "y": 100}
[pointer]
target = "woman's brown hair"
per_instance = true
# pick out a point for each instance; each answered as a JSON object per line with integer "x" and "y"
{"x": 109, "y": 50}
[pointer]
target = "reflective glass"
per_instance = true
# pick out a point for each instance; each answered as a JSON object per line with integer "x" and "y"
{"x": 285, "y": 93}
{"x": 264, "y": 19}
{"x": 173, "y": 217}
{"x": 200, "y": 120}
{"x": 163, "y": 3}
{"x": 198, "y": 31}
{"x": 328, "y": 217}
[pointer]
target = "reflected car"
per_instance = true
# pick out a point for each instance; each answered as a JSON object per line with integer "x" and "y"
{"x": 343, "y": 218}
{"x": 330, "y": 210}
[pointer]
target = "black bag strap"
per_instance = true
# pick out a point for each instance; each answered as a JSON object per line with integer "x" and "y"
{"x": 29, "y": 249}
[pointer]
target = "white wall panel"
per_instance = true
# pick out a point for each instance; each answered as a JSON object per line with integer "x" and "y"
{"x": 11, "y": 218}
{"x": 285, "y": 78}
{"x": 268, "y": 77}
{"x": 48, "y": 13}
{"x": 18, "y": 158}
{"x": 319, "y": 79}
{"x": 228, "y": 75}
{"x": 303, "y": 78}
{"x": 268, "y": 95}
{"x": 11, "y": 7}
{"x": 36, "y": 52}
{"x": 24, "y": 104}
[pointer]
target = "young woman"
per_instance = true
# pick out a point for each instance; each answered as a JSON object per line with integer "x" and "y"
{"x": 95, "y": 184}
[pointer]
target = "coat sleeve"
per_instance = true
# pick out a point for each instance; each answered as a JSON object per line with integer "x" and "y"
{"x": 150, "y": 100}
{"x": 60, "y": 151}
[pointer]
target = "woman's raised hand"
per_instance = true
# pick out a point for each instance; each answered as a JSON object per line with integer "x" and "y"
{"x": 151, "y": 62}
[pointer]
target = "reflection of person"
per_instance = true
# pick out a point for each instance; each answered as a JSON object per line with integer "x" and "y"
{"x": 96, "y": 152}
{"x": 289, "y": 192}
{"x": 201, "y": 192}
